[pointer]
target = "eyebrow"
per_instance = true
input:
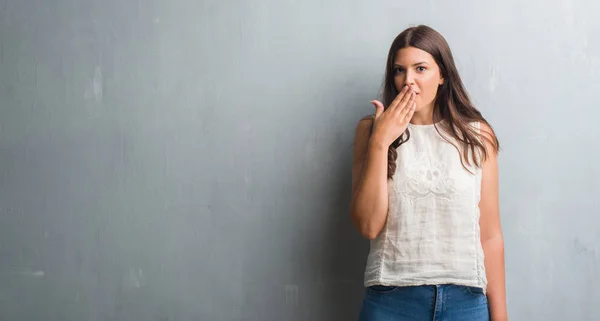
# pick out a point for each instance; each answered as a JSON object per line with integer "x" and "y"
{"x": 418, "y": 63}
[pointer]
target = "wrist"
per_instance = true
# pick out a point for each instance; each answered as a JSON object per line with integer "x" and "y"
{"x": 377, "y": 145}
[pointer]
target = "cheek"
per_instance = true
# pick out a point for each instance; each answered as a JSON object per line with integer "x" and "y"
{"x": 399, "y": 82}
{"x": 429, "y": 87}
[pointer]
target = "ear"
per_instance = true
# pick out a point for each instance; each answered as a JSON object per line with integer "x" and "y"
{"x": 441, "y": 81}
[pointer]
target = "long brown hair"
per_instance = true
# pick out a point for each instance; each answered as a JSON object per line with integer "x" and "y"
{"x": 452, "y": 104}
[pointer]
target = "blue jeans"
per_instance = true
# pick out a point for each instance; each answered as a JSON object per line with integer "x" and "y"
{"x": 424, "y": 303}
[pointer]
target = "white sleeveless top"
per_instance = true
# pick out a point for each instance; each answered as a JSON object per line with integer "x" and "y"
{"x": 432, "y": 230}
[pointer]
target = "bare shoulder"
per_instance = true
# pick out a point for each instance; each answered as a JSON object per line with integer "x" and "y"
{"x": 486, "y": 129}
{"x": 364, "y": 126}
{"x": 361, "y": 137}
{"x": 489, "y": 137}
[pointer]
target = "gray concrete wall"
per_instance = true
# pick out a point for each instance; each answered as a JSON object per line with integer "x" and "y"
{"x": 190, "y": 160}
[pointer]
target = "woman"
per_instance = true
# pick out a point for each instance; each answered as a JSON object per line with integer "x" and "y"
{"x": 425, "y": 192}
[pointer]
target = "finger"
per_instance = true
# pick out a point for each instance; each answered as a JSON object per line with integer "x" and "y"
{"x": 406, "y": 110}
{"x": 398, "y": 98}
{"x": 405, "y": 104}
{"x": 378, "y": 108}
{"x": 411, "y": 111}
{"x": 404, "y": 101}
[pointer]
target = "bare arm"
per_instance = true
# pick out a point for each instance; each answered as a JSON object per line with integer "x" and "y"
{"x": 491, "y": 234}
{"x": 369, "y": 203}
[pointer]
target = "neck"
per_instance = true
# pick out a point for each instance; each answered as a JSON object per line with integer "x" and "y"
{"x": 423, "y": 116}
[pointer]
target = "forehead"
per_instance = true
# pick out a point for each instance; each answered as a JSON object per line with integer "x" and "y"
{"x": 412, "y": 55}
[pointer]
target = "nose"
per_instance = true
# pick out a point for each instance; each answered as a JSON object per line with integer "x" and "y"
{"x": 409, "y": 80}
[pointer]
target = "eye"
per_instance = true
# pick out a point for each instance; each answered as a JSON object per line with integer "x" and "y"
{"x": 421, "y": 68}
{"x": 398, "y": 70}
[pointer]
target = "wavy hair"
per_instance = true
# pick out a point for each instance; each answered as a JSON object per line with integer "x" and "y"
{"x": 452, "y": 103}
